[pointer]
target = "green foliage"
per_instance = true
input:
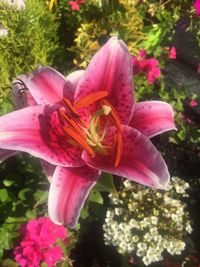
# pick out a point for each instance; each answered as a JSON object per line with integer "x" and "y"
{"x": 31, "y": 41}
{"x": 94, "y": 23}
{"x": 22, "y": 186}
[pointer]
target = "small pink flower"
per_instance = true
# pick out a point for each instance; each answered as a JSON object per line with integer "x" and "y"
{"x": 148, "y": 66}
{"x": 153, "y": 74}
{"x": 74, "y": 5}
{"x": 172, "y": 53}
{"x": 142, "y": 54}
{"x": 197, "y": 7}
{"x": 52, "y": 255}
{"x": 39, "y": 243}
{"x": 193, "y": 103}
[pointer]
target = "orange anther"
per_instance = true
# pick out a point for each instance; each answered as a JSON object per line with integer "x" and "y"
{"x": 71, "y": 123}
{"x": 81, "y": 122}
{"x": 118, "y": 147}
{"x": 113, "y": 115}
{"x": 72, "y": 134}
{"x": 70, "y": 107}
{"x": 90, "y": 99}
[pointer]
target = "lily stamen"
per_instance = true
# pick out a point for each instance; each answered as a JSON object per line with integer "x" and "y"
{"x": 113, "y": 115}
{"x": 70, "y": 107}
{"x": 90, "y": 99}
{"x": 118, "y": 148}
{"x": 72, "y": 123}
{"x": 78, "y": 139}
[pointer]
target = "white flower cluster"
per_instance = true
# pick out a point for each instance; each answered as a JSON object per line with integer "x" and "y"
{"x": 148, "y": 222}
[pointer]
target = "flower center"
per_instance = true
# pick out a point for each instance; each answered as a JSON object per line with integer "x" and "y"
{"x": 91, "y": 137}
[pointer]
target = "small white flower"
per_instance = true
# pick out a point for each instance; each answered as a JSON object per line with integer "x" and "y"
{"x": 135, "y": 238}
{"x": 118, "y": 211}
{"x": 153, "y": 230}
{"x": 154, "y": 220}
{"x": 134, "y": 224}
{"x": 128, "y": 184}
{"x": 3, "y": 32}
{"x": 148, "y": 237}
{"x": 175, "y": 217}
{"x": 147, "y": 260}
{"x": 189, "y": 229}
{"x": 142, "y": 246}
{"x": 140, "y": 253}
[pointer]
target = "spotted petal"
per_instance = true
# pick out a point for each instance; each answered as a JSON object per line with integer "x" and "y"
{"x": 140, "y": 161}
{"x": 111, "y": 70}
{"x": 152, "y": 118}
{"x": 37, "y": 130}
{"x": 48, "y": 86}
{"x": 68, "y": 192}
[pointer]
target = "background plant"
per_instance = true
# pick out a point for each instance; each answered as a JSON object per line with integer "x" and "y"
{"x": 31, "y": 41}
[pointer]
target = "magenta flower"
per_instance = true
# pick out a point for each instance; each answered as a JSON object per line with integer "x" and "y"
{"x": 172, "y": 53}
{"x": 39, "y": 243}
{"x": 193, "y": 103}
{"x": 149, "y": 66}
{"x": 86, "y": 124}
{"x": 197, "y": 7}
{"x": 75, "y": 4}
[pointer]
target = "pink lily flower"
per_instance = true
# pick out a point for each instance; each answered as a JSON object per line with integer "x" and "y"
{"x": 85, "y": 124}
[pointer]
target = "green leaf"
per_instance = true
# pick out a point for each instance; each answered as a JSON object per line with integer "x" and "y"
{"x": 8, "y": 263}
{"x": 41, "y": 197}
{"x": 105, "y": 184}
{"x": 96, "y": 197}
{"x": 23, "y": 193}
{"x": 1, "y": 253}
{"x": 4, "y": 242}
{"x": 84, "y": 212}
{"x": 4, "y": 196}
{"x": 155, "y": 36}
{"x": 7, "y": 182}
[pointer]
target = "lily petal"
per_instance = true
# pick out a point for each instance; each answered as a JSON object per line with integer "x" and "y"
{"x": 68, "y": 192}
{"x": 140, "y": 161}
{"x": 48, "y": 86}
{"x": 37, "y": 130}
{"x": 111, "y": 70}
{"x": 6, "y": 153}
{"x": 152, "y": 118}
{"x": 48, "y": 168}
{"x": 75, "y": 77}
